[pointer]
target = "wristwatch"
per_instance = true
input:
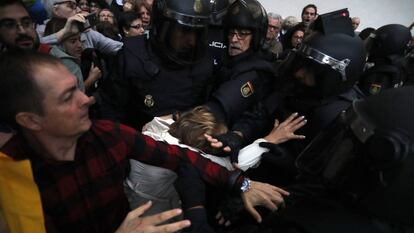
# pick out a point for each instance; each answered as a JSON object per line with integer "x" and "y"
{"x": 246, "y": 185}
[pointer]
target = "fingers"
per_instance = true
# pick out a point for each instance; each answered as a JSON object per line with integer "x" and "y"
{"x": 298, "y": 123}
{"x": 139, "y": 211}
{"x": 282, "y": 191}
{"x": 213, "y": 141}
{"x": 291, "y": 117}
{"x": 78, "y": 17}
{"x": 251, "y": 210}
{"x": 172, "y": 227}
{"x": 161, "y": 217}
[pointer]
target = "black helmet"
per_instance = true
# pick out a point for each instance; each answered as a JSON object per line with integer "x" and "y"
{"x": 219, "y": 11}
{"x": 337, "y": 60}
{"x": 368, "y": 153}
{"x": 389, "y": 40}
{"x": 248, "y": 14}
{"x": 178, "y": 19}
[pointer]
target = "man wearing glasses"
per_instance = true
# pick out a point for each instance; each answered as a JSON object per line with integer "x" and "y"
{"x": 90, "y": 39}
{"x": 16, "y": 27}
{"x": 246, "y": 76}
{"x": 272, "y": 45}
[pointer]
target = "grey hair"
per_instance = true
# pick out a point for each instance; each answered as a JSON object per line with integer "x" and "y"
{"x": 289, "y": 22}
{"x": 275, "y": 16}
{"x": 48, "y": 5}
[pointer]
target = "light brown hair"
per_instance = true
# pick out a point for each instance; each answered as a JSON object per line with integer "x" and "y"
{"x": 191, "y": 126}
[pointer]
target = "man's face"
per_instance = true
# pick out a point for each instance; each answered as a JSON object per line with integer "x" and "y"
{"x": 239, "y": 41}
{"x": 65, "y": 9}
{"x": 309, "y": 15}
{"x": 273, "y": 29}
{"x": 65, "y": 106}
{"x": 305, "y": 76}
{"x": 355, "y": 22}
{"x": 183, "y": 38}
{"x": 106, "y": 15}
{"x": 17, "y": 28}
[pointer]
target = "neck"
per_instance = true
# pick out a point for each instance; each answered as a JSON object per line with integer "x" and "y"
{"x": 53, "y": 148}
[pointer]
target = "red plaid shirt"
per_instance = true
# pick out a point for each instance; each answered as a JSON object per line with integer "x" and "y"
{"x": 86, "y": 195}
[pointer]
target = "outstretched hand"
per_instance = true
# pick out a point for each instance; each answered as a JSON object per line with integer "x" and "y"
{"x": 262, "y": 194}
{"x": 286, "y": 130}
{"x": 134, "y": 223}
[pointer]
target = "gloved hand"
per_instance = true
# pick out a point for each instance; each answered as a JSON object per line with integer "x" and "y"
{"x": 234, "y": 141}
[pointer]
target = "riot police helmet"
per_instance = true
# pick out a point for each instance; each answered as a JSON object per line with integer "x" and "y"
{"x": 389, "y": 40}
{"x": 219, "y": 10}
{"x": 367, "y": 154}
{"x": 179, "y": 29}
{"x": 334, "y": 60}
{"x": 247, "y": 14}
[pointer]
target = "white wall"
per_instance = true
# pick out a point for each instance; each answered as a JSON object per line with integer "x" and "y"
{"x": 373, "y": 13}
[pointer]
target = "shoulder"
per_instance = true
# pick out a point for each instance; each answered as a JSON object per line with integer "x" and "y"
{"x": 135, "y": 42}
{"x": 111, "y": 127}
{"x": 111, "y": 134}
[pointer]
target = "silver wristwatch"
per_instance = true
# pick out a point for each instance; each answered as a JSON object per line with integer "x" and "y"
{"x": 246, "y": 185}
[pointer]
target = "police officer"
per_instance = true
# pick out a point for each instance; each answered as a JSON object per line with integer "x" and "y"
{"x": 217, "y": 48}
{"x": 246, "y": 78}
{"x": 359, "y": 172}
{"x": 317, "y": 80}
{"x": 388, "y": 45}
{"x": 167, "y": 72}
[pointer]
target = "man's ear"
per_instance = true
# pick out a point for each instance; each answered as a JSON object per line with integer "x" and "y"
{"x": 29, "y": 120}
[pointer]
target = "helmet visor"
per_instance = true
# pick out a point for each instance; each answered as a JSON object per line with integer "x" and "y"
{"x": 184, "y": 45}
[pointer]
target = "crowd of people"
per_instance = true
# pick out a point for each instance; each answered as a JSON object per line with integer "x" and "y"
{"x": 202, "y": 116}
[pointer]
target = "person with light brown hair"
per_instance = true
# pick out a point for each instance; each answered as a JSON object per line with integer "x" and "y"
{"x": 191, "y": 126}
{"x": 188, "y": 130}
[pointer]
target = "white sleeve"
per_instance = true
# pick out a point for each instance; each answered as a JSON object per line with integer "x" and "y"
{"x": 251, "y": 155}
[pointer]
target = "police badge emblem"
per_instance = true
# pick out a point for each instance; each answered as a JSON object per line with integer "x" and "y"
{"x": 247, "y": 89}
{"x": 149, "y": 101}
{"x": 198, "y": 6}
{"x": 375, "y": 88}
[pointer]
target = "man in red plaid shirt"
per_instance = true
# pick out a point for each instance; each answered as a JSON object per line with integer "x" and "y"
{"x": 78, "y": 165}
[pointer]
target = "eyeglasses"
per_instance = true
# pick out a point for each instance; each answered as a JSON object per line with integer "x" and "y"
{"x": 241, "y": 35}
{"x": 274, "y": 28}
{"x": 69, "y": 4}
{"x": 9, "y": 24}
{"x": 138, "y": 26}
